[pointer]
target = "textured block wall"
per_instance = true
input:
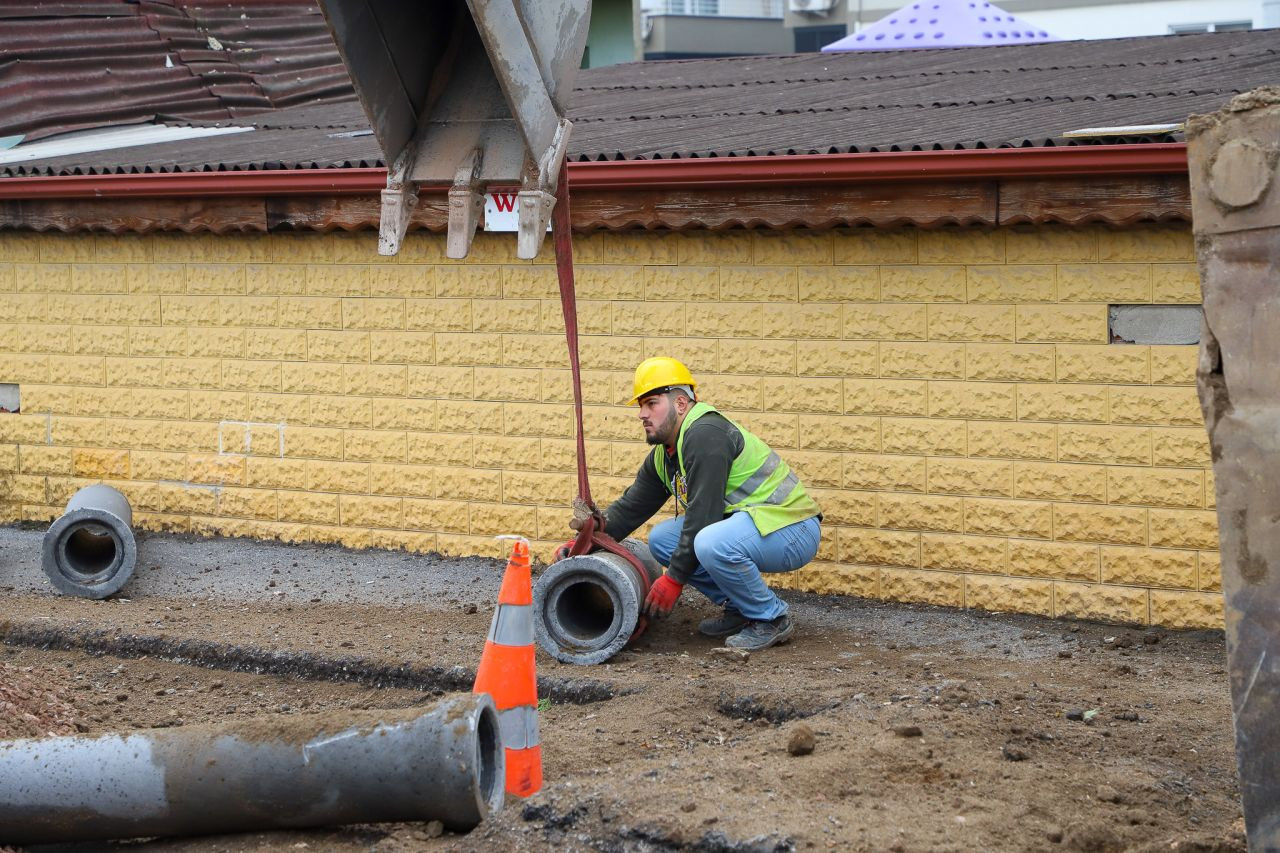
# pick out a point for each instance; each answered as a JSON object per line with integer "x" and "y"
{"x": 950, "y": 396}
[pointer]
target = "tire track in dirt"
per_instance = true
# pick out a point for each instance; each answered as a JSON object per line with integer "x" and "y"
{"x": 306, "y": 665}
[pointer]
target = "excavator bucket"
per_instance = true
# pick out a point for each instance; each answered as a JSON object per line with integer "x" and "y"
{"x": 465, "y": 95}
{"x": 1235, "y": 207}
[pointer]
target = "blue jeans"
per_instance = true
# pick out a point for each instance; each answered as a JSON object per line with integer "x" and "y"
{"x": 732, "y": 554}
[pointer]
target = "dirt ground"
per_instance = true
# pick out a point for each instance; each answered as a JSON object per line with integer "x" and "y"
{"x": 932, "y": 729}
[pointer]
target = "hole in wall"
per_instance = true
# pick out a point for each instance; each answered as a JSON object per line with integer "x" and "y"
{"x": 1155, "y": 324}
{"x": 10, "y": 398}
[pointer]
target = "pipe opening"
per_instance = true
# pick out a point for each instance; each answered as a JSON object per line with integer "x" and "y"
{"x": 585, "y": 610}
{"x": 90, "y": 550}
{"x": 488, "y": 747}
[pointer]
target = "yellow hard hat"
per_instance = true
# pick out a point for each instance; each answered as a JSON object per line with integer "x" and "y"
{"x": 660, "y": 372}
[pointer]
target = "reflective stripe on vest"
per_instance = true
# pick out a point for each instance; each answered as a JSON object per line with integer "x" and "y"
{"x": 519, "y": 727}
{"x": 512, "y": 625}
{"x": 785, "y": 488}
{"x": 756, "y": 480}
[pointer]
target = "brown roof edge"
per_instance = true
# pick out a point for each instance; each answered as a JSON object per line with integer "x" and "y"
{"x": 788, "y": 170}
{"x": 720, "y": 179}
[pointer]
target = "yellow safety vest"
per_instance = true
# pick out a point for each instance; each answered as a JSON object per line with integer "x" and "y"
{"x": 760, "y": 483}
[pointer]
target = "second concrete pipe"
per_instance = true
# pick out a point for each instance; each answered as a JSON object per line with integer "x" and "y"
{"x": 586, "y": 608}
{"x": 89, "y": 550}
{"x": 444, "y": 762}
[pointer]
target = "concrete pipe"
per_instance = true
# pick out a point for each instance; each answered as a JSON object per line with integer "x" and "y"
{"x": 309, "y": 770}
{"x": 90, "y": 550}
{"x": 586, "y": 607}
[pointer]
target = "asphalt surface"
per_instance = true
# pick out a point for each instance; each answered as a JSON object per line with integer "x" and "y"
{"x": 195, "y": 569}
{"x": 174, "y": 566}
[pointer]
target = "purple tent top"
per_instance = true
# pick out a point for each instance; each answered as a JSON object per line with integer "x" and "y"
{"x": 942, "y": 23}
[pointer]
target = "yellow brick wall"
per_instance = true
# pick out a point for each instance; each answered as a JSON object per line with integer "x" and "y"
{"x": 949, "y": 396}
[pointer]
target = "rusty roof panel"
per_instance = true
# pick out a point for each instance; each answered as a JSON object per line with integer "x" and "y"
{"x": 67, "y": 66}
{"x": 17, "y": 9}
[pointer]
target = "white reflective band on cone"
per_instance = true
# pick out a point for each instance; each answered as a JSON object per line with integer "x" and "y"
{"x": 512, "y": 625}
{"x": 519, "y": 727}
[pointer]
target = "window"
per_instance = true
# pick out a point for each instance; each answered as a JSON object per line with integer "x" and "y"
{"x": 811, "y": 39}
{"x": 1220, "y": 27}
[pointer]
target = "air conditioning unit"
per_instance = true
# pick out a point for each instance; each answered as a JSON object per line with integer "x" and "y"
{"x": 811, "y": 7}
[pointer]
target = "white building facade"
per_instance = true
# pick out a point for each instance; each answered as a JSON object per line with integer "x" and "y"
{"x": 1160, "y": 17}
{"x": 1067, "y": 19}
{"x": 674, "y": 29}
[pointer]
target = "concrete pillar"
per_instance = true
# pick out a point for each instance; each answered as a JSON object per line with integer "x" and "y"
{"x": 1235, "y": 204}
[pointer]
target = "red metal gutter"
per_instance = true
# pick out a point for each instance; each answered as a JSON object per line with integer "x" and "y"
{"x": 1082, "y": 161}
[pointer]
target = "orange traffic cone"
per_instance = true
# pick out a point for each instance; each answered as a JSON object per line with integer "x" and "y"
{"x": 507, "y": 674}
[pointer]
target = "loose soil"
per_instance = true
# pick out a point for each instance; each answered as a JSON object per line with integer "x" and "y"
{"x": 33, "y": 703}
{"x": 879, "y": 727}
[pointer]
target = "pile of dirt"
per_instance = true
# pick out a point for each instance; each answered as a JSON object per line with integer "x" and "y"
{"x": 33, "y": 703}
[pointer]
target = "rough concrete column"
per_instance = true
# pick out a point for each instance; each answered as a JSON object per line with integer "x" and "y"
{"x": 1236, "y": 214}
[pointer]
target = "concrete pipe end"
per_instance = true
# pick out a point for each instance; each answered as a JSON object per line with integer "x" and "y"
{"x": 491, "y": 759}
{"x": 89, "y": 552}
{"x": 586, "y": 608}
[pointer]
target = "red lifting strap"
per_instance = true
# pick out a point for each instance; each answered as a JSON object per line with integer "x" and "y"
{"x": 592, "y": 534}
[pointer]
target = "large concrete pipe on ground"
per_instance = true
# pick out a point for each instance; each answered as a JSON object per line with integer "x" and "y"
{"x": 90, "y": 550}
{"x": 587, "y": 607}
{"x": 445, "y": 763}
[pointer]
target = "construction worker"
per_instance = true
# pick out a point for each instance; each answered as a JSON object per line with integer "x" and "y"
{"x": 744, "y": 511}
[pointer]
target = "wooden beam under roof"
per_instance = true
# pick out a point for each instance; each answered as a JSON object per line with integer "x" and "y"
{"x": 1072, "y": 201}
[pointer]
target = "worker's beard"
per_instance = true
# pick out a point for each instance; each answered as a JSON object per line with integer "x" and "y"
{"x": 663, "y": 433}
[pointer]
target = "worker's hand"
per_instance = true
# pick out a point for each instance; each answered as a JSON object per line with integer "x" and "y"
{"x": 662, "y": 597}
{"x": 563, "y": 551}
{"x": 583, "y": 511}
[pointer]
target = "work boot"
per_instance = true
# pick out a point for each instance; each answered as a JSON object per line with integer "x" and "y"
{"x": 762, "y": 635}
{"x": 726, "y": 624}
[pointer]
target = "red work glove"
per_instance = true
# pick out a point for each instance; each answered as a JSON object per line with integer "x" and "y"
{"x": 662, "y": 597}
{"x": 563, "y": 551}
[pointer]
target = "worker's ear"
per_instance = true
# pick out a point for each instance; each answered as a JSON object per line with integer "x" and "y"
{"x": 683, "y": 404}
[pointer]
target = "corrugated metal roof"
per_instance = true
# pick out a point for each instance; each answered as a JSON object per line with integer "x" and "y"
{"x": 69, "y": 66}
{"x": 986, "y": 97}
{"x": 990, "y": 97}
